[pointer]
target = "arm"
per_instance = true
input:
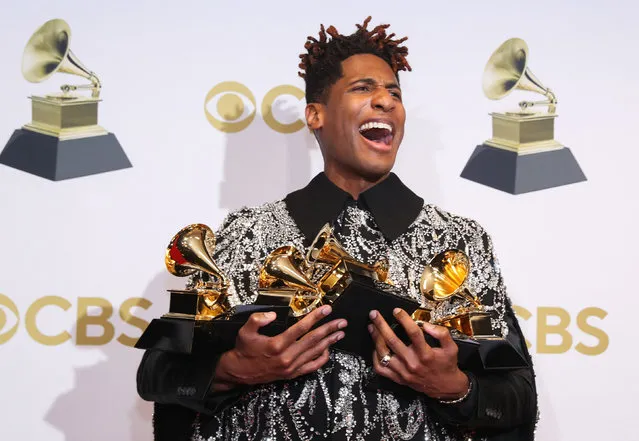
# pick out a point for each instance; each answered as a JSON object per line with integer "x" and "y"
{"x": 209, "y": 382}
{"x": 182, "y": 379}
{"x": 497, "y": 401}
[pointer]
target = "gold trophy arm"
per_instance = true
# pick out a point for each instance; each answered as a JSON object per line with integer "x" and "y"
{"x": 326, "y": 249}
{"x": 551, "y": 102}
{"x": 95, "y": 85}
{"x": 465, "y": 294}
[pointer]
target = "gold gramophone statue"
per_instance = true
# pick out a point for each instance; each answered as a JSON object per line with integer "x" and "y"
{"x": 444, "y": 286}
{"x": 284, "y": 280}
{"x": 445, "y": 280}
{"x": 201, "y": 317}
{"x": 330, "y": 275}
{"x": 63, "y": 139}
{"x": 326, "y": 250}
{"x": 190, "y": 253}
{"x": 522, "y": 155}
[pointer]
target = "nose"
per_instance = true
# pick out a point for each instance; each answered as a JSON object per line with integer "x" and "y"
{"x": 383, "y": 100}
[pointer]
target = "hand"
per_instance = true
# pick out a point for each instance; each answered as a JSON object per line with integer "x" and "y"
{"x": 432, "y": 371}
{"x": 258, "y": 359}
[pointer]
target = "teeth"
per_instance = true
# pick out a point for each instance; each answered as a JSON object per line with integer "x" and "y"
{"x": 376, "y": 125}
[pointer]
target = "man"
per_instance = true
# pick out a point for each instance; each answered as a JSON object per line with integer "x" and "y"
{"x": 294, "y": 386}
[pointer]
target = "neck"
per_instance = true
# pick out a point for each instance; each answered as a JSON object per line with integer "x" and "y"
{"x": 351, "y": 183}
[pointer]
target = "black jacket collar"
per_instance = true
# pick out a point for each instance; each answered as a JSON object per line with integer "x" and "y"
{"x": 393, "y": 205}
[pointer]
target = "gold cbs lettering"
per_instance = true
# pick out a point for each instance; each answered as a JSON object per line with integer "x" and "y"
{"x": 559, "y": 327}
{"x": 231, "y": 107}
{"x": 85, "y": 319}
{"x": 550, "y": 320}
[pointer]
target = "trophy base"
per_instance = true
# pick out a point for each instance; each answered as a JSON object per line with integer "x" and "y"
{"x": 189, "y": 336}
{"x": 65, "y": 116}
{"x": 485, "y": 354}
{"x": 516, "y": 173}
{"x": 354, "y": 304}
{"x": 192, "y": 304}
{"x": 57, "y": 159}
{"x": 476, "y": 325}
{"x": 524, "y": 132}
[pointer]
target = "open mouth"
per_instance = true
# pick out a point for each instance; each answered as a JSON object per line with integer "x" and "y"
{"x": 378, "y": 132}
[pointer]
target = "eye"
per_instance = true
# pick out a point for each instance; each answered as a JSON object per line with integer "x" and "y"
{"x": 362, "y": 88}
{"x": 230, "y": 107}
{"x": 6, "y": 330}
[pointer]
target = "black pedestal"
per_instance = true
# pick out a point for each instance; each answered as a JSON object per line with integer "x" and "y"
{"x": 55, "y": 159}
{"x": 190, "y": 336}
{"x": 515, "y": 174}
{"x": 354, "y": 304}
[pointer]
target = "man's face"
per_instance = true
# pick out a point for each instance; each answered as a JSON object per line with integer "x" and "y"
{"x": 361, "y": 125}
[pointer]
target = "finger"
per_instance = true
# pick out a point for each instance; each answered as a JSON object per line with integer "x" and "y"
{"x": 442, "y": 334}
{"x": 390, "y": 338}
{"x": 412, "y": 329}
{"x": 380, "y": 345}
{"x": 256, "y": 321}
{"x": 316, "y": 350}
{"x": 386, "y": 371}
{"x": 313, "y": 365}
{"x": 302, "y": 327}
{"x": 396, "y": 364}
{"x": 314, "y": 337}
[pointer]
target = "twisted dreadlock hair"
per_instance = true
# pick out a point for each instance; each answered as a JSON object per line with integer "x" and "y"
{"x": 322, "y": 64}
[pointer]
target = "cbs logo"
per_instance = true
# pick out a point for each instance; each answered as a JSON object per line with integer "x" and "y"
{"x": 84, "y": 321}
{"x": 230, "y": 107}
{"x": 555, "y": 322}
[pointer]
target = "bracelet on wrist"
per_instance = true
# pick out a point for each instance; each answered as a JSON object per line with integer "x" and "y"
{"x": 462, "y": 398}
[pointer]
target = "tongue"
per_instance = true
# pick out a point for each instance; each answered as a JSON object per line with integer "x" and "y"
{"x": 379, "y": 135}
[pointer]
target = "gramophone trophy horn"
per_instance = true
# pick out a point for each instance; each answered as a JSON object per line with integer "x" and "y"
{"x": 522, "y": 155}
{"x": 48, "y": 51}
{"x": 284, "y": 280}
{"x": 190, "y": 253}
{"x": 190, "y": 250}
{"x": 446, "y": 278}
{"x": 507, "y": 70}
{"x": 325, "y": 249}
{"x": 63, "y": 136}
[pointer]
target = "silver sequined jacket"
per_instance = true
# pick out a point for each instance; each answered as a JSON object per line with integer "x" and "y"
{"x": 340, "y": 400}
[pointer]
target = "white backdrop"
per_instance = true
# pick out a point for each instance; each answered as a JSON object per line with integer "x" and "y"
{"x": 99, "y": 240}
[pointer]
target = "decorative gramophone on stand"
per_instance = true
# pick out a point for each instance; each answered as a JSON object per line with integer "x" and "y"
{"x": 444, "y": 282}
{"x": 522, "y": 155}
{"x": 445, "y": 278}
{"x": 284, "y": 280}
{"x": 201, "y": 317}
{"x": 64, "y": 139}
{"x": 189, "y": 253}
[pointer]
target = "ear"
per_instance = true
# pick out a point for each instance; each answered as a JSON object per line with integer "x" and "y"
{"x": 314, "y": 113}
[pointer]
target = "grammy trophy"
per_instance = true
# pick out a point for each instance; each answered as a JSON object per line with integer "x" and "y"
{"x": 522, "y": 155}
{"x": 63, "y": 139}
